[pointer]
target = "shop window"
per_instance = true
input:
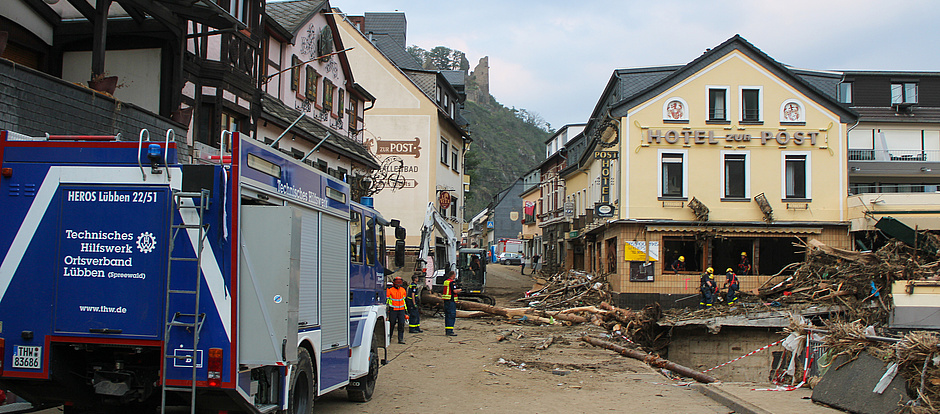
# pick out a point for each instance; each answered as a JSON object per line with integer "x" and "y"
{"x": 453, "y": 207}
{"x": 673, "y": 174}
{"x": 903, "y": 93}
{"x": 355, "y": 237}
{"x": 717, "y": 104}
{"x": 845, "y": 92}
{"x": 445, "y": 149}
{"x": 750, "y": 105}
{"x": 735, "y": 175}
{"x": 686, "y": 247}
{"x": 796, "y": 176}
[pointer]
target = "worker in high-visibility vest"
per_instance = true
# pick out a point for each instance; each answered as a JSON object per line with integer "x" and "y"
{"x": 411, "y": 301}
{"x": 396, "y": 308}
{"x": 731, "y": 282}
{"x": 450, "y": 303}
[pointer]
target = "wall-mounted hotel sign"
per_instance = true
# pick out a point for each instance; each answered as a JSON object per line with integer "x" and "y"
{"x": 605, "y": 157}
{"x": 709, "y": 137}
{"x": 399, "y": 147}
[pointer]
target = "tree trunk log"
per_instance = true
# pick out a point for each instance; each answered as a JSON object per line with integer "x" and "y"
{"x": 492, "y": 310}
{"x": 653, "y": 361}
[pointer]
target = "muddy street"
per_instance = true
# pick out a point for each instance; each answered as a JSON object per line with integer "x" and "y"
{"x": 475, "y": 372}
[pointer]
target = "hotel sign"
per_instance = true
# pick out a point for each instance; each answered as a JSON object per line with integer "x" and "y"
{"x": 605, "y": 157}
{"x": 709, "y": 137}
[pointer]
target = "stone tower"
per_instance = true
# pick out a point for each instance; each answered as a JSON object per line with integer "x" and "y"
{"x": 478, "y": 84}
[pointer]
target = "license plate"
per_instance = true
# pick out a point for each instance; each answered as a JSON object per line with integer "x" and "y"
{"x": 27, "y": 357}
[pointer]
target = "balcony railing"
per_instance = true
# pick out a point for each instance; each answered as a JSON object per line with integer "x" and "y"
{"x": 893, "y": 155}
{"x": 864, "y": 188}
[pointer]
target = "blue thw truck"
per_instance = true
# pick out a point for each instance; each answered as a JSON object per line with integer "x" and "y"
{"x": 130, "y": 281}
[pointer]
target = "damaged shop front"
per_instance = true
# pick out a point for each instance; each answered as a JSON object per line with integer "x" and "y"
{"x": 643, "y": 255}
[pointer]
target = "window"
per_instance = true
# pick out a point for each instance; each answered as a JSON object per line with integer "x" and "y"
{"x": 328, "y": 95}
{"x": 445, "y": 149}
{"x": 750, "y": 105}
{"x": 311, "y": 92}
{"x": 903, "y": 93}
{"x": 453, "y": 207}
{"x": 355, "y": 237}
{"x": 370, "y": 242}
{"x": 672, "y": 178}
{"x": 734, "y": 175}
{"x": 453, "y": 158}
{"x": 796, "y": 175}
{"x": 294, "y": 73}
{"x": 353, "y": 114}
{"x": 845, "y": 92}
{"x": 322, "y": 165}
{"x": 340, "y": 98}
{"x": 717, "y": 104}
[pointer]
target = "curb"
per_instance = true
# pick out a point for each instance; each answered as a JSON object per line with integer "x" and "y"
{"x": 722, "y": 397}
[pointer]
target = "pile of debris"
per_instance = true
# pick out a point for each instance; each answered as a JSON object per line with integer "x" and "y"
{"x": 564, "y": 289}
{"x": 857, "y": 281}
{"x": 917, "y": 355}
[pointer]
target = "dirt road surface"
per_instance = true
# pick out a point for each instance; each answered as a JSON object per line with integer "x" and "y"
{"x": 474, "y": 372}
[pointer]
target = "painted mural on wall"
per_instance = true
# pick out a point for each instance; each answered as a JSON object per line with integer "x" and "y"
{"x": 317, "y": 41}
{"x": 398, "y": 160}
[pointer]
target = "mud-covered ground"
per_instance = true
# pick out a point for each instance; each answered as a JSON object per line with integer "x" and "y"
{"x": 475, "y": 372}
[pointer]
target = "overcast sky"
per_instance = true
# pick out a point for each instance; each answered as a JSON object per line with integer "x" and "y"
{"x": 555, "y": 57}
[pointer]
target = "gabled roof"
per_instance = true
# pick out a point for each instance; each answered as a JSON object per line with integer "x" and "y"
{"x": 630, "y": 87}
{"x": 712, "y": 55}
{"x": 392, "y": 24}
{"x": 293, "y": 14}
{"x": 394, "y": 51}
{"x": 275, "y": 110}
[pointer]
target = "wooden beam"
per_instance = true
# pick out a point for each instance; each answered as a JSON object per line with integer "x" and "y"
{"x": 132, "y": 11}
{"x": 99, "y": 44}
{"x": 86, "y": 9}
{"x": 43, "y": 9}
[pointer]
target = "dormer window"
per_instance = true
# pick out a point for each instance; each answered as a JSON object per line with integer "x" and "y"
{"x": 902, "y": 93}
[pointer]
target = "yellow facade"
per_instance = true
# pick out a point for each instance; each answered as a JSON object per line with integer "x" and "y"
{"x": 823, "y": 141}
{"x": 726, "y": 162}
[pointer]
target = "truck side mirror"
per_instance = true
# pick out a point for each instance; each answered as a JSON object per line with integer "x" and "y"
{"x": 399, "y": 250}
{"x": 400, "y": 233}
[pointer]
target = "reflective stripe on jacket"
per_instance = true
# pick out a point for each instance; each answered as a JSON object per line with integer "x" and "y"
{"x": 396, "y": 298}
{"x": 448, "y": 291}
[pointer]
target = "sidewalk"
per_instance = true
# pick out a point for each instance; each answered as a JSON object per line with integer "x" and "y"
{"x": 740, "y": 397}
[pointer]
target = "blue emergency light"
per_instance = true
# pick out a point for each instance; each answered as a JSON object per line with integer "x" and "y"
{"x": 367, "y": 201}
{"x": 153, "y": 151}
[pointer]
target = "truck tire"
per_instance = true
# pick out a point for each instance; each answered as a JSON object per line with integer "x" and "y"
{"x": 363, "y": 392}
{"x": 303, "y": 385}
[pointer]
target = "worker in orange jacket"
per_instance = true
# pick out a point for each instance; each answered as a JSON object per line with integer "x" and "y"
{"x": 396, "y": 307}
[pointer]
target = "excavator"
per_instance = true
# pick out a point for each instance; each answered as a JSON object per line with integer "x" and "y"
{"x": 470, "y": 264}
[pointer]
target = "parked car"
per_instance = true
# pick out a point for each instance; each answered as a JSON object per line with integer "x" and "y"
{"x": 509, "y": 258}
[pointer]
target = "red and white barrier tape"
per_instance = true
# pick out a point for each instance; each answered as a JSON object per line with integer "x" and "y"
{"x": 807, "y": 361}
{"x": 745, "y": 355}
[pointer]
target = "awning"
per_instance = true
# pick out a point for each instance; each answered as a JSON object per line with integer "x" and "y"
{"x": 736, "y": 229}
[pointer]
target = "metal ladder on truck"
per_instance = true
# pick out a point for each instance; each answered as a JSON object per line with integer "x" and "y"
{"x": 193, "y": 321}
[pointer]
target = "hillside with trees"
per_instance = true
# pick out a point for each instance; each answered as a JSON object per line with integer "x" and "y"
{"x": 507, "y": 142}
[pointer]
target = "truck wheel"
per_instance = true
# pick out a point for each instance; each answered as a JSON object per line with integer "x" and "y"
{"x": 363, "y": 391}
{"x": 303, "y": 384}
